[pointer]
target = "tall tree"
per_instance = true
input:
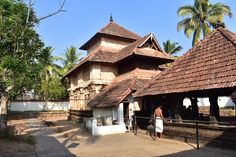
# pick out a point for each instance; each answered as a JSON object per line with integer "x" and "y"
{"x": 200, "y": 17}
{"x": 171, "y": 48}
{"x": 69, "y": 58}
{"x": 20, "y": 48}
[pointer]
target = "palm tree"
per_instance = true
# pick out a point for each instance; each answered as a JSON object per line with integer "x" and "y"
{"x": 201, "y": 17}
{"x": 171, "y": 48}
{"x": 69, "y": 59}
{"x": 49, "y": 72}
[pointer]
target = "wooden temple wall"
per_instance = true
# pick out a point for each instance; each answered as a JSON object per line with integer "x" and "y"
{"x": 87, "y": 83}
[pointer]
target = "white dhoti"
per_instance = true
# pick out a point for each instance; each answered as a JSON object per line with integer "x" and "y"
{"x": 159, "y": 125}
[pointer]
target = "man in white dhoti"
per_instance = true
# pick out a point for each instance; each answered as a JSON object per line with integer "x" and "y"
{"x": 159, "y": 121}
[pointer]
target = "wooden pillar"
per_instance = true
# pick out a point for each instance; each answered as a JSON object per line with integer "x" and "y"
{"x": 195, "y": 110}
{"x": 214, "y": 109}
{"x": 233, "y": 98}
{"x": 178, "y": 108}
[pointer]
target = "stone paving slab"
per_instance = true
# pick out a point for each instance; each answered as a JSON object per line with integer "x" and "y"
{"x": 19, "y": 154}
{"x": 46, "y": 144}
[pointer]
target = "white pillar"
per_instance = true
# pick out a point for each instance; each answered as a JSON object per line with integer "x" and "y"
{"x": 120, "y": 113}
{"x": 94, "y": 126}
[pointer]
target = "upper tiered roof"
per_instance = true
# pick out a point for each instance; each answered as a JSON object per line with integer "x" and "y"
{"x": 111, "y": 29}
{"x": 146, "y": 46}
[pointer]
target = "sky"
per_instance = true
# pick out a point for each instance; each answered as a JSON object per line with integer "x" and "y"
{"x": 83, "y": 18}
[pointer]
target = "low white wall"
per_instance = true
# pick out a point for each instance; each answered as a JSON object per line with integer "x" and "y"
{"x": 107, "y": 130}
{"x": 110, "y": 114}
{"x": 204, "y": 102}
{"x": 39, "y": 106}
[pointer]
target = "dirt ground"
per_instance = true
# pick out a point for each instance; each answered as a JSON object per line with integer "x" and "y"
{"x": 83, "y": 144}
{"x": 19, "y": 144}
{"x": 128, "y": 145}
{"x": 223, "y": 111}
{"x": 14, "y": 147}
{"x": 62, "y": 138}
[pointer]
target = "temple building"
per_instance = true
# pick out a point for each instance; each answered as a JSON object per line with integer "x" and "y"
{"x": 208, "y": 69}
{"x": 118, "y": 63}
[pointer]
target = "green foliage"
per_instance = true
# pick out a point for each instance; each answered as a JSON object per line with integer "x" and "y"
{"x": 20, "y": 47}
{"x": 50, "y": 86}
{"x": 69, "y": 58}
{"x": 171, "y": 48}
{"x": 25, "y": 64}
{"x": 53, "y": 89}
{"x": 201, "y": 17}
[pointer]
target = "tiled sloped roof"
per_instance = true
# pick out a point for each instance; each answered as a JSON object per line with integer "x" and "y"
{"x": 113, "y": 94}
{"x": 96, "y": 56}
{"x": 121, "y": 87}
{"x": 112, "y": 29}
{"x": 211, "y": 64}
{"x": 132, "y": 49}
{"x": 136, "y": 49}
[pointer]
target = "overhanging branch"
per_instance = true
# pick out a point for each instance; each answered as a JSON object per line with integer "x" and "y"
{"x": 54, "y": 13}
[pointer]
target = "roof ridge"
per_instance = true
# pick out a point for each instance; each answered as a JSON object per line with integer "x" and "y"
{"x": 134, "y": 44}
{"x": 112, "y": 22}
{"x": 228, "y": 35}
{"x": 147, "y": 35}
{"x": 100, "y": 30}
{"x": 153, "y": 36}
{"x": 194, "y": 47}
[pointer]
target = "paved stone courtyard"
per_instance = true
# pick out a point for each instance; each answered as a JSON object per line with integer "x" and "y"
{"x": 66, "y": 139}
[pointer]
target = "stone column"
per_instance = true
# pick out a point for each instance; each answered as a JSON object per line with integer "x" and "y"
{"x": 214, "y": 109}
{"x": 195, "y": 110}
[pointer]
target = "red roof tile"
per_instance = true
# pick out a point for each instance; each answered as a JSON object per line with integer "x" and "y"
{"x": 121, "y": 87}
{"x": 210, "y": 64}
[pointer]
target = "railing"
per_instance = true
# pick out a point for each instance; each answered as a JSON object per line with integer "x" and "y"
{"x": 195, "y": 124}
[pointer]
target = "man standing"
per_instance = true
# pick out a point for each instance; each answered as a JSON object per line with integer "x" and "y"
{"x": 158, "y": 121}
{"x": 129, "y": 116}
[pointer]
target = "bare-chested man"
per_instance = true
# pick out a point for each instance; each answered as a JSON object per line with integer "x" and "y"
{"x": 159, "y": 122}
